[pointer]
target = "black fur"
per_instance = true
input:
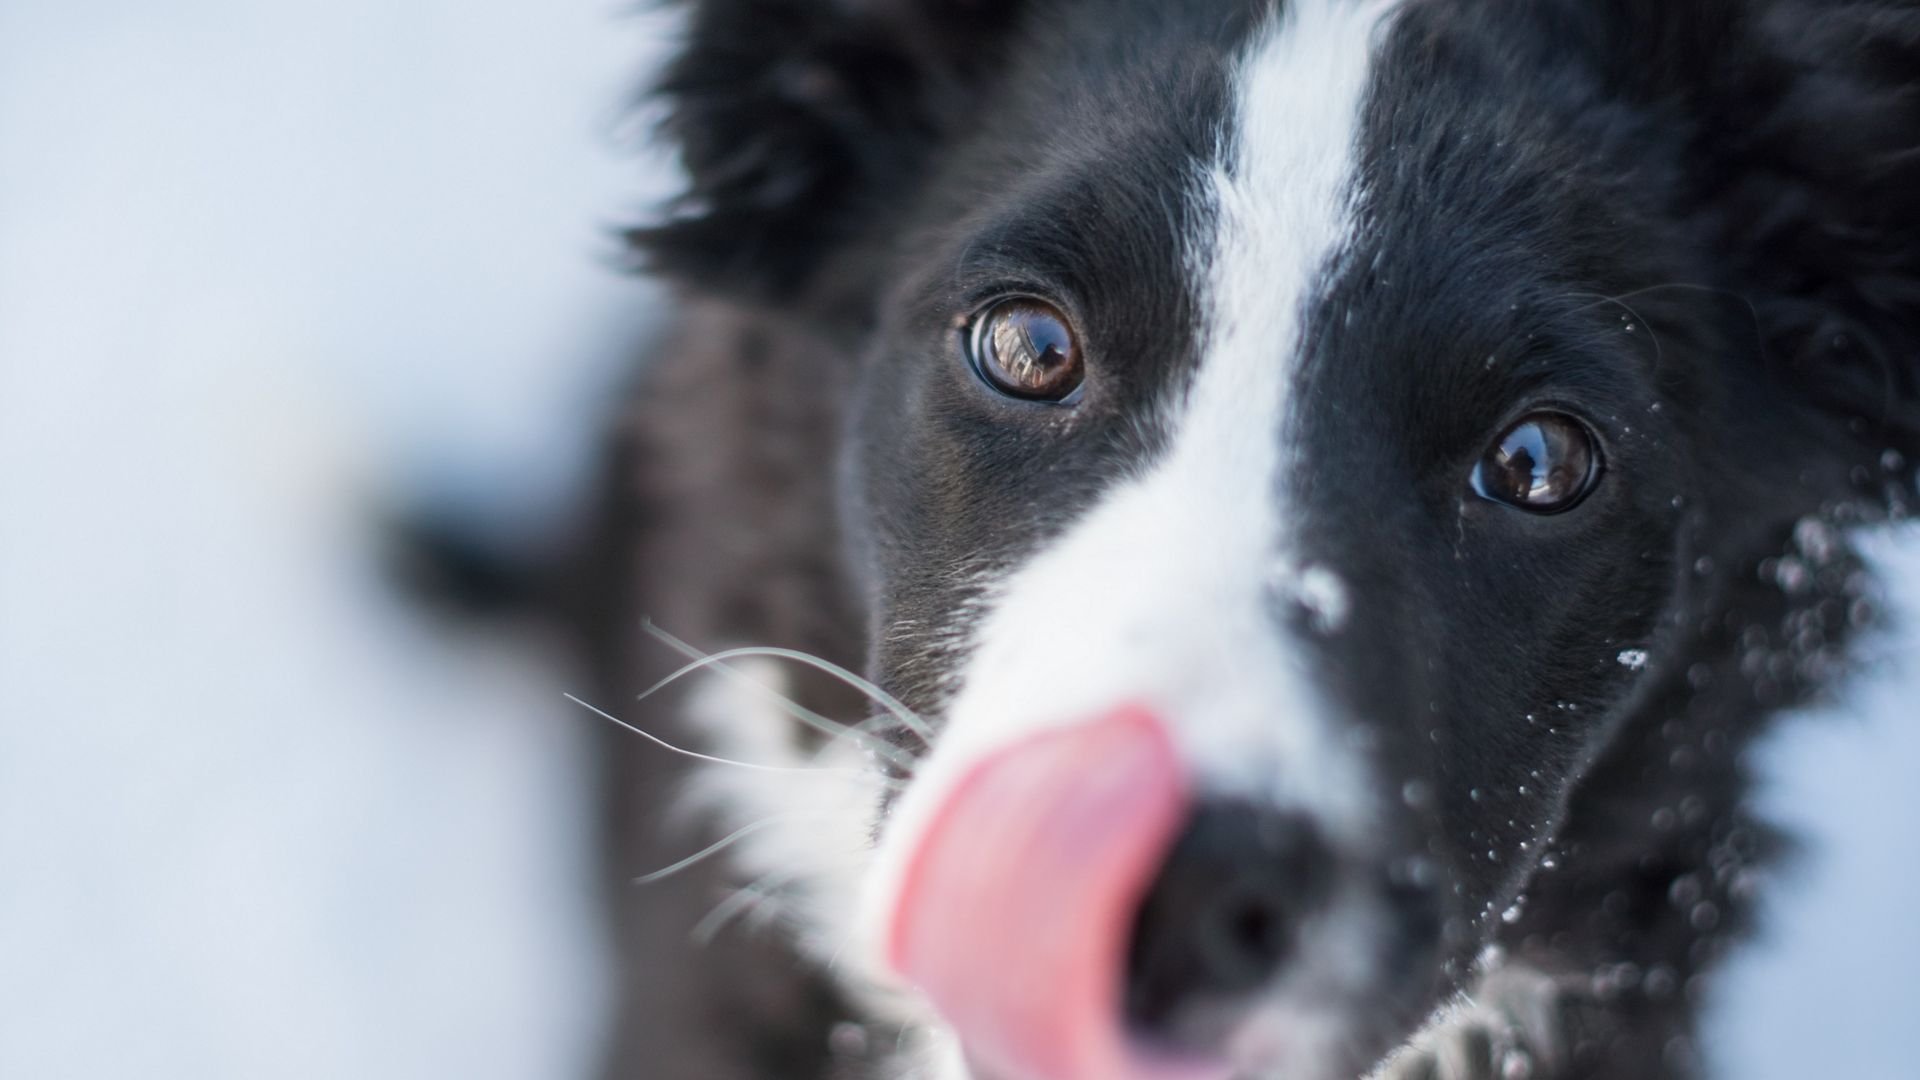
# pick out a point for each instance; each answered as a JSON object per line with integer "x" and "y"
{"x": 1697, "y": 223}
{"x": 796, "y": 118}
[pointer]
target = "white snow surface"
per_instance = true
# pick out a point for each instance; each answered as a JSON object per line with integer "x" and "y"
{"x": 264, "y": 264}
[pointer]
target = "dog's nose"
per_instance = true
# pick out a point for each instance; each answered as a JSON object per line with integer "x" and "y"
{"x": 1013, "y": 908}
{"x": 1220, "y": 918}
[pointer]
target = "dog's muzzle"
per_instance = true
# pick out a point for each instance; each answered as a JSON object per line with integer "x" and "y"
{"x": 1069, "y": 908}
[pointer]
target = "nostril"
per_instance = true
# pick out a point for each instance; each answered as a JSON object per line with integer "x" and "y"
{"x": 1220, "y": 918}
{"x": 1238, "y": 941}
{"x": 1251, "y": 935}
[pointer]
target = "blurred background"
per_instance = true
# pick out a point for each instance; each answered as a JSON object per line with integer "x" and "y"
{"x": 270, "y": 266}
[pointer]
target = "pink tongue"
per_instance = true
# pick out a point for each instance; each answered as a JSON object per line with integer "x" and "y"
{"x": 1016, "y": 909}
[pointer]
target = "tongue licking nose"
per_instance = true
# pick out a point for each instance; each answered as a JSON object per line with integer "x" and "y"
{"x": 1015, "y": 910}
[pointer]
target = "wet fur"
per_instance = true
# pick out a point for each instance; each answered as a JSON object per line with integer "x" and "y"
{"x": 1785, "y": 136}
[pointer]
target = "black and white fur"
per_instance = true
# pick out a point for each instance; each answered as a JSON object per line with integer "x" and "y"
{"x": 1319, "y": 253}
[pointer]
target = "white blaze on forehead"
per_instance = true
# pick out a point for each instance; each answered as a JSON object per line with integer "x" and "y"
{"x": 1162, "y": 594}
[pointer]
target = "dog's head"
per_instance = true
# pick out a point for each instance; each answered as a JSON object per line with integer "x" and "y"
{"x": 1284, "y": 441}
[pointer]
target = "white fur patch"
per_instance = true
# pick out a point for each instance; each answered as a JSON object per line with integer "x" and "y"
{"x": 1161, "y": 594}
{"x": 806, "y": 840}
{"x": 1515, "y": 1011}
{"x": 810, "y": 838}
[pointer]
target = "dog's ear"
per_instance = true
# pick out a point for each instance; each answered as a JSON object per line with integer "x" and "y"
{"x": 1807, "y": 158}
{"x": 793, "y": 117}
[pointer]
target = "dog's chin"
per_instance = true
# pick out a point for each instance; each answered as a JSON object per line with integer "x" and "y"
{"x": 1299, "y": 1046}
{"x": 1306, "y": 1029}
{"x": 1283, "y": 1039}
{"x": 1301, "y": 1039}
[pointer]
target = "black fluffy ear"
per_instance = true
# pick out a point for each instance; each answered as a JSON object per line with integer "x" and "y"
{"x": 1812, "y": 138}
{"x": 791, "y": 118}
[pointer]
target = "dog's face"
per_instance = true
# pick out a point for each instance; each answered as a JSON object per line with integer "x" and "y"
{"x": 1291, "y": 411}
{"x": 1284, "y": 445}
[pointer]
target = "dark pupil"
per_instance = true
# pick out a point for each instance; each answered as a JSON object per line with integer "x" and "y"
{"x": 1538, "y": 464}
{"x": 1031, "y": 346}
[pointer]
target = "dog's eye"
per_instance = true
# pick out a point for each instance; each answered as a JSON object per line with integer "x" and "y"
{"x": 1024, "y": 348}
{"x": 1546, "y": 463}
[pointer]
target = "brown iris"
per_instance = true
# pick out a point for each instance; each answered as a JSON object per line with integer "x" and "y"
{"x": 1024, "y": 348}
{"x": 1544, "y": 464}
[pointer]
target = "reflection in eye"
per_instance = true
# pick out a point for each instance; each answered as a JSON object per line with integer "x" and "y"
{"x": 1544, "y": 464}
{"x": 1024, "y": 348}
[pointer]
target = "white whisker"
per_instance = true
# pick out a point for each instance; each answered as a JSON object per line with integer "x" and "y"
{"x": 742, "y": 901}
{"x": 709, "y": 758}
{"x": 812, "y": 719}
{"x": 887, "y": 701}
{"x": 709, "y": 851}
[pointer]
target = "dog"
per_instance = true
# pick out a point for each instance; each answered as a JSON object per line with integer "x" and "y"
{"x": 1239, "y": 539}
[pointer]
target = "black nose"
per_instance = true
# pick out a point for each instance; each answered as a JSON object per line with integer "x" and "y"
{"x": 1220, "y": 920}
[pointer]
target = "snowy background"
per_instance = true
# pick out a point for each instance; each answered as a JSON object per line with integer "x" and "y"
{"x": 263, "y": 265}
